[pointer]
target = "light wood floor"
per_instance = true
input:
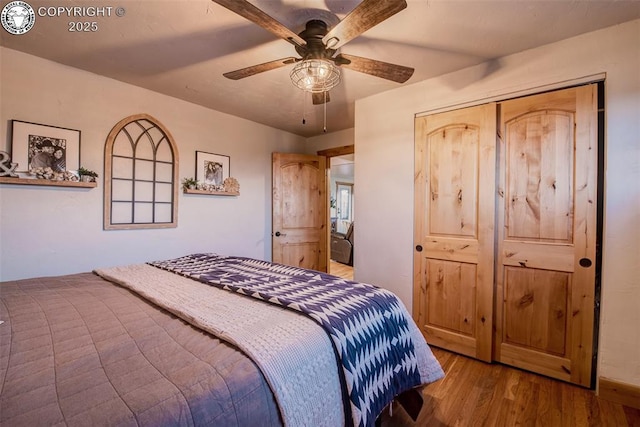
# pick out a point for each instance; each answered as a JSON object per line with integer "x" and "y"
{"x": 341, "y": 270}
{"x": 475, "y": 393}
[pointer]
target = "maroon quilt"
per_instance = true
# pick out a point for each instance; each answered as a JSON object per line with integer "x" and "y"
{"x": 78, "y": 350}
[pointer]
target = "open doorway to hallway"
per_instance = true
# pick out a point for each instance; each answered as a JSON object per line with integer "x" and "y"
{"x": 341, "y": 214}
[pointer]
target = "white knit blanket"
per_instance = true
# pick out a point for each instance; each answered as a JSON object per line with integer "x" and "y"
{"x": 293, "y": 352}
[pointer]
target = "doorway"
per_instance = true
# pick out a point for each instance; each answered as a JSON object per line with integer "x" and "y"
{"x": 341, "y": 211}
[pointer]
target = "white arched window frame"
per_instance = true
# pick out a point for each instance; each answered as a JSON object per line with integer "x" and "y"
{"x": 141, "y": 175}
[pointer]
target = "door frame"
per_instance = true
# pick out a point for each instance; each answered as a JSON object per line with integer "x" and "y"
{"x": 339, "y": 201}
{"x": 329, "y": 153}
{"x": 599, "y": 80}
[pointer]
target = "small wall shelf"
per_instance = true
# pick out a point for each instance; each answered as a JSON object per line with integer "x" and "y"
{"x": 211, "y": 193}
{"x": 46, "y": 182}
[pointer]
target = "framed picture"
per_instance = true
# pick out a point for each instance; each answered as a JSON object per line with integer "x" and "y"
{"x": 212, "y": 169}
{"x": 35, "y": 145}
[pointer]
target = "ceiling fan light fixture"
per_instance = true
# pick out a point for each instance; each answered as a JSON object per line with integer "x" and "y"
{"x": 315, "y": 75}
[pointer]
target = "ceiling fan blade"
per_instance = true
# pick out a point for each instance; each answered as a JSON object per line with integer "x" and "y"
{"x": 385, "y": 70}
{"x": 257, "y": 16}
{"x": 320, "y": 98}
{"x": 367, "y": 14}
{"x": 260, "y": 68}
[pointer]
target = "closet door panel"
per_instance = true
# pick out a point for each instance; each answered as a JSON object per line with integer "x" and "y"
{"x": 454, "y": 229}
{"x": 547, "y": 233}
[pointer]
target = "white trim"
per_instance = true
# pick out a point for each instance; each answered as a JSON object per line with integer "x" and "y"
{"x": 518, "y": 93}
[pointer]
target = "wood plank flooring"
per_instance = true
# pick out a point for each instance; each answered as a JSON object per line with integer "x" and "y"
{"x": 341, "y": 270}
{"x": 475, "y": 393}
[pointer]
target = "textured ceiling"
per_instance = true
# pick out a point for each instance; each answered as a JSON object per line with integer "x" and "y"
{"x": 182, "y": 47}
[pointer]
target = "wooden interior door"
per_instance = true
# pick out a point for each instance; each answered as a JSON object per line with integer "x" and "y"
{"x": 547, "y": 233}
{"x": 454, "y": 229}
{"x": 299, "y": 201}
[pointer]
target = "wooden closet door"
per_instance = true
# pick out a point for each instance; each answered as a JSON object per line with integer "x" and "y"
{"x": 454, "y": 229}
{"x": 547, "y": 233}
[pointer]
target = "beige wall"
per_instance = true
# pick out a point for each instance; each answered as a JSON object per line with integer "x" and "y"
{"x": 331, "y": 140}
{"x": 384, "y": 133}
{"x": 50, "y": 231}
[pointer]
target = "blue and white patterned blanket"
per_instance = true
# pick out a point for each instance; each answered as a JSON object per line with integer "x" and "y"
{"x": 369, "y": 326}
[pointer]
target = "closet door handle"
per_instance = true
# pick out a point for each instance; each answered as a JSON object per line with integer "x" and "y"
{"x": 419, "y": 248}
{"x": 585, "y": 262}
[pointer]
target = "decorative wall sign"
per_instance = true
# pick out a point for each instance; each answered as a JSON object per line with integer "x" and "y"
{"x": 140, "y": 175}
{"x": 212, "y": 169}
{"x": 6, "y": 167}
{"x": 35, "y": 146}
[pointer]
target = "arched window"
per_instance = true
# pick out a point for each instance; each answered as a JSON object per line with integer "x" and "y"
{"x": 141, "y": 175}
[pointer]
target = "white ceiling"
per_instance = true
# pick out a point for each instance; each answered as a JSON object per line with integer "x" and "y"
{"x": 182, "y": 47}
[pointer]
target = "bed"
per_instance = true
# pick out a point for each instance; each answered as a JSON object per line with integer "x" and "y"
{"x": 204, "y": 340}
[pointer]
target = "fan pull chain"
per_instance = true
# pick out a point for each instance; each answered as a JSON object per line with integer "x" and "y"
{"x": 324, "y": 129}
{"x": 304, "y": 104}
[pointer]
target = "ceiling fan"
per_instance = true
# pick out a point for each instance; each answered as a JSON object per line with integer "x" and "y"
{"x": 317, "y": 69}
